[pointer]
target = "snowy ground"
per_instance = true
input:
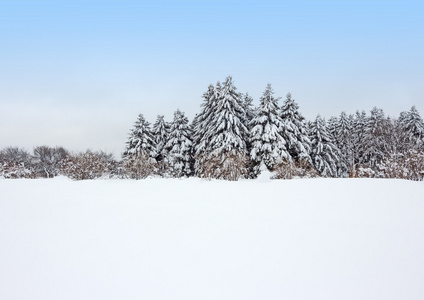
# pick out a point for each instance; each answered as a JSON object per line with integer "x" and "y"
{"x": 194, "y": 239}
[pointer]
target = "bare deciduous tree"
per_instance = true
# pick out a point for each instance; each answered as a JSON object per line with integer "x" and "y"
{"x": 47, "y": 161}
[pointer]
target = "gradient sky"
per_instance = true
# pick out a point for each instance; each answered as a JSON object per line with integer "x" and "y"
{"x": 78, "y": 73}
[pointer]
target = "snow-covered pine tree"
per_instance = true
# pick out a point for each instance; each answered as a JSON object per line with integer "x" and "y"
{"x": 141, "y": 139}
{"x": 294, "y": 131}
{"x": 345, "y": 144}
{"x": 390, "y": 135}
{"x": 332, "y": 128}
{"x": 358, "y": 135}
{"x": 139, "y": 155}
{"x": 250, "y": 113}
{"x": 248, "y": 109}
{"x": 201, "y": 128}
{"x": 412, "y": 127}
{"x": 402, "y": 143}
{"x": 160, "y": 134}
{"x": 226, "y": 154}
{"x": 180, "y": 146}
{"x": 324, "y": 154}
{"x": 194, "y": 124}
{"x": 268, "y": 146}
{"x": 375, "y": 138}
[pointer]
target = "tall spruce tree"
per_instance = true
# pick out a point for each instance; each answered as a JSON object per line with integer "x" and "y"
{"x": 141, "y": 140}
{"x": 268, "y": 146}
{"x": 180, "y": 146}
{"x": 375, "y": 138}
{"x": 226, "y": 151}
{"x": 358, "y": 136}
{"x": 345, "y": 143}
{"x": 139, "y": 155}
{"x": 402, "y": 140}
{"x": 250, "y": 113}
{"x": 390, "y": 135}
{"x": 202, "y": 128}
{"x": 332, "y": 128}
{"x": 249, "y": 110}
{"x": 203, "y": 120}
{"x": 294, "y": 131}
{"x": 412, "y": 127}
{"x": 160, "y": 134}
{"x": 324, "y": 154}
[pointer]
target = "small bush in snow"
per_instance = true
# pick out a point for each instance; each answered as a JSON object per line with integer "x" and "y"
{"x": 15, "y": 163}
{"x": 15, "y": 170}
{"x": 139, "y": 165}
{"x": 87, "y": 165}
{"x": 291, "y": 169}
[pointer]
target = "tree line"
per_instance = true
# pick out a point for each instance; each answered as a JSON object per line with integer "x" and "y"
{"x": 231, "y": 139}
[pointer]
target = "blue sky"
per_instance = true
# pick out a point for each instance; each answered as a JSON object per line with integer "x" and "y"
{"x": 77, "y": 73}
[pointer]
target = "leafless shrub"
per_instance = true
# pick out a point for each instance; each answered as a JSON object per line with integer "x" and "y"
{"x": 86, "y": 165}
{"x": 139, "y": 165}
{"x": 409, "y": 165}
{"x": 229, "y": 167}
{"x": 291, "y": 169}
{"x": 15, "y": 171}
{"x": 362, "y": 171}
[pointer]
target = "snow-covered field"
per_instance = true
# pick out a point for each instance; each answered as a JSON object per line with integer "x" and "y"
{"x": 196, "y": 239}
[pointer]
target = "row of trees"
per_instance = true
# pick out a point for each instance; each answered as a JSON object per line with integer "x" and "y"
{"x": 230, "y": 139}
{"x": 43, "y": 162}
{"x": 48, "y": 162}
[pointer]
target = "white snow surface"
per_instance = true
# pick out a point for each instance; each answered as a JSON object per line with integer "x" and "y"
{"x": 199, "y": 239}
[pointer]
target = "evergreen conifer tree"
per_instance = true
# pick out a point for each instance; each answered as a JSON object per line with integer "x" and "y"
{"x": 249, "y": 110}
{"x": 250, "y": 113}
{"x": 141, "y": 139}
{"x": 412, "y": 126}
{"x": 139, "y": 155}
{"x": 345, "y": 144}
{"x": 402, "y": 143}
{"x": 268, "y": 146}
{"x": 160, "y": 134}
{"x": 227, "y": 150}
{"x": 358, "y": 135}
{"x": 325, "y": 154}
{"x": 332, "y": 128}
{"x": 294, "y": 131}
{"x": 202, "y": 128}
{"x": 375, "y": 138}
{"x": 180, "y": 146}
